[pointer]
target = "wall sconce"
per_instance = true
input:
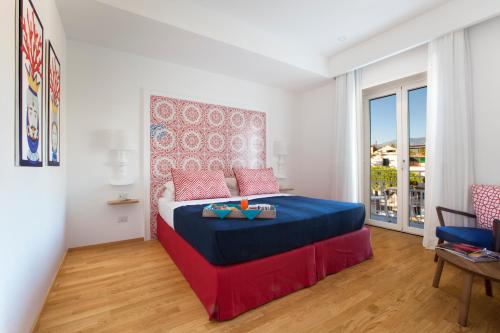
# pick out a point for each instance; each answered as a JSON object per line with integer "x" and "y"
{"x": 280, "y": 149}
{"x": 120, "y": 150}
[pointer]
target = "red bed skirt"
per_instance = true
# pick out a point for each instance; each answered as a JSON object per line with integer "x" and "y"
{"x": 227, "y": 291}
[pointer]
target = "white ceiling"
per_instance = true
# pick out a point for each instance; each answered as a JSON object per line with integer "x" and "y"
{"x": 98, "y": 23}
{"x": 291, "y": 44}
{"x": 318, "y": 24}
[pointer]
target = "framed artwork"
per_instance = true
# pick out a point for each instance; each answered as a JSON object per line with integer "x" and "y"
{"x": 30, "y": 60}
{"x": 53, "y": 107}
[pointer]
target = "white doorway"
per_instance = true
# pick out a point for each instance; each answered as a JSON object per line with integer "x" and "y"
{"x": 394, "y": 120}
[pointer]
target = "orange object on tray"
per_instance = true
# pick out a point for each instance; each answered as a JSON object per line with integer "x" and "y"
{"x": 244, "y": 203}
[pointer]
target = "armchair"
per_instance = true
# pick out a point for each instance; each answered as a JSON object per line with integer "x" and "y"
{"x": 486, "y": 233}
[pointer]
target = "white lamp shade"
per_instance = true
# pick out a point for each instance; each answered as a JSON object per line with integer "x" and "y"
{"x": 119, "y": 140}
{"x": 280, "y": 148}
{"x": 120, "y": 148}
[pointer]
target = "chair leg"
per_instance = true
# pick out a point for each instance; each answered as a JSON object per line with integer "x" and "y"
{"x": 465, "y": 300}
{"x": 437, "y": 274}
{"x": 488, "y": 288}
{"x": 440, "y": 241}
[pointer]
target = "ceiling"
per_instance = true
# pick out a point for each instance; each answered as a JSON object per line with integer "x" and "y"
{"x": 290, "y": 44}
{"x": 90, "y": 21}
{"x": 325, "y": 26}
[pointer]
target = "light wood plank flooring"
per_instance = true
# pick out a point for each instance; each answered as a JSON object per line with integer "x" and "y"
{"x": 135, "y": 287}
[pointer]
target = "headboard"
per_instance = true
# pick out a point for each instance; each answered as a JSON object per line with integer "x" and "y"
{"x": 192, "y": 135}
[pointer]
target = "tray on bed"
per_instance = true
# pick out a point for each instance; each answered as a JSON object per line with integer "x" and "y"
{"x": 234, "y": 211}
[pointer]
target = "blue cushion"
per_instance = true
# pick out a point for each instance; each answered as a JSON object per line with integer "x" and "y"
{"x": 473, "y": 236}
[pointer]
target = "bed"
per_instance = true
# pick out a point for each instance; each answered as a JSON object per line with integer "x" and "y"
{"x": 236, "y": 265}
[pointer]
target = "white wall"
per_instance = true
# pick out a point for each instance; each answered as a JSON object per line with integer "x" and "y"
{"x": 104, "y": 92}
{"x": 32, "y": 200}
{"x": 450, "y": 16}
{"x": 313, "y": 122}
{"x": 485, "y": 55}
{"x": 405, "y": 64}
{"x": 311, "y": 153}
{"x": 313, "y": 119}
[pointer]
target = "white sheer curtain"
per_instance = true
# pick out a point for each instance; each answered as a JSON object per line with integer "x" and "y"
{"x": 449, "y": 160}
{"x": 348, "y": 139}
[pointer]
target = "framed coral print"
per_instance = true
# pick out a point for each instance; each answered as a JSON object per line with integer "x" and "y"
{"x": 53, "y": 107}
{"x": 30, "y": 62}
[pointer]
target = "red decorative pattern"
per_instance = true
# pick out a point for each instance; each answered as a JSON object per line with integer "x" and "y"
{"x": 203, "y": 184}
{"x": 31, "y": 46}
{"x": 188, "y": 135}
{"x": 256, "y": 181}
{"x": 486, "y": 199}
{"x": 55, "y": 82}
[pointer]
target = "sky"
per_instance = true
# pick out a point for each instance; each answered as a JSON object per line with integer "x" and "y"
{"x": 383, "y": 116}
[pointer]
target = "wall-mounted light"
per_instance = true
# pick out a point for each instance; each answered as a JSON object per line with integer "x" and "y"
{"x": 280, "y": 149}
{"x": 120, "y": 150}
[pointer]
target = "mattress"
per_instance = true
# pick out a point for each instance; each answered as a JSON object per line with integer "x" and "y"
{"x": 166, "y": 207}
{"x": 300, "y": 221}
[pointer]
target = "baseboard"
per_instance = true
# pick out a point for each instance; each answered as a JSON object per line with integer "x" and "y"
{"x": 96, "y": 246}
{"x": 35, "y": 323}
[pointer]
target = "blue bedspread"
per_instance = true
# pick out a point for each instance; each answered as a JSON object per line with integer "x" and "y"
{"x": 300, "y": 221}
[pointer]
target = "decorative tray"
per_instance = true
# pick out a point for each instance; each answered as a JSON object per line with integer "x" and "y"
{"x": 255, "y": 211}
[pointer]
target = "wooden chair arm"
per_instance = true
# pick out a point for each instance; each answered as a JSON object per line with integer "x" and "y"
{"x": 496, "y": 235}
{"x": 440, "y": 211}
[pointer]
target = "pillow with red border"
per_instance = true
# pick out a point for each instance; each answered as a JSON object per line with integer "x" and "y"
{"x": 486, "y": 200}
{"x": 204, "y": 184}
{"x": 256, "y": 181}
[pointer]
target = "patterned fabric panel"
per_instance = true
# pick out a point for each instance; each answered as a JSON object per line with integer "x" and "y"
{"x": 190, "y": 135}
{"x": 194, "y": 185}
{"x": 256, "y": 181}
{"x": 486, "y": 199}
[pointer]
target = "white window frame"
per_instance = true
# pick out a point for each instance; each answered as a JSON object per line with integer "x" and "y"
{"x": 399, "y": 88}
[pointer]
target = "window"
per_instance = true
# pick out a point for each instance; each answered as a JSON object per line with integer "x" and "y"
{"x": 395, "y": 118}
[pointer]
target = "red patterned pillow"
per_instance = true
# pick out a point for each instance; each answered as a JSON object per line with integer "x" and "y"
{"x": 486, "y": 199}
{"x": 193, "y": 185}
{"x": 256, "y": 181}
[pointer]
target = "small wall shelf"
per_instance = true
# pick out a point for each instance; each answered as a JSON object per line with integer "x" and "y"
{"x": 123, "y": 202}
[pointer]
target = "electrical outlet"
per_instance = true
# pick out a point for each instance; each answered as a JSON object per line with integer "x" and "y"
{"x": 122, "y": 219}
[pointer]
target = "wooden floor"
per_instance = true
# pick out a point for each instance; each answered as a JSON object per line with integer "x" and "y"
{"x": 135, "y": 287}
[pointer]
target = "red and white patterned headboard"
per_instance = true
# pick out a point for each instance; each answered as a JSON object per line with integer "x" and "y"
{"x": 190, "y": 135}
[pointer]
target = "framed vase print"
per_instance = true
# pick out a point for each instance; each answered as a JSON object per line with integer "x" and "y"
{"x": 30, "y": 95}
{"x": 53, "y": 107}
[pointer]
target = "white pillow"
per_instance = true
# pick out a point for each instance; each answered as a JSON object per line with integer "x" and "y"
{"x": 233, "y": 187}
{"x": 169, "y": 192}
{"x": 231, "y": 183}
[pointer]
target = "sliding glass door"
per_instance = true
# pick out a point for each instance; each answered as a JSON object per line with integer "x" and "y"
{"x": 416, "y": 109}
{"x": 383, "y": 158}
{"x": 395, "y": 116}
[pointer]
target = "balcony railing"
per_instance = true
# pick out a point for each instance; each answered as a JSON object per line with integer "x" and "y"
{"x": 384, "y": 201}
